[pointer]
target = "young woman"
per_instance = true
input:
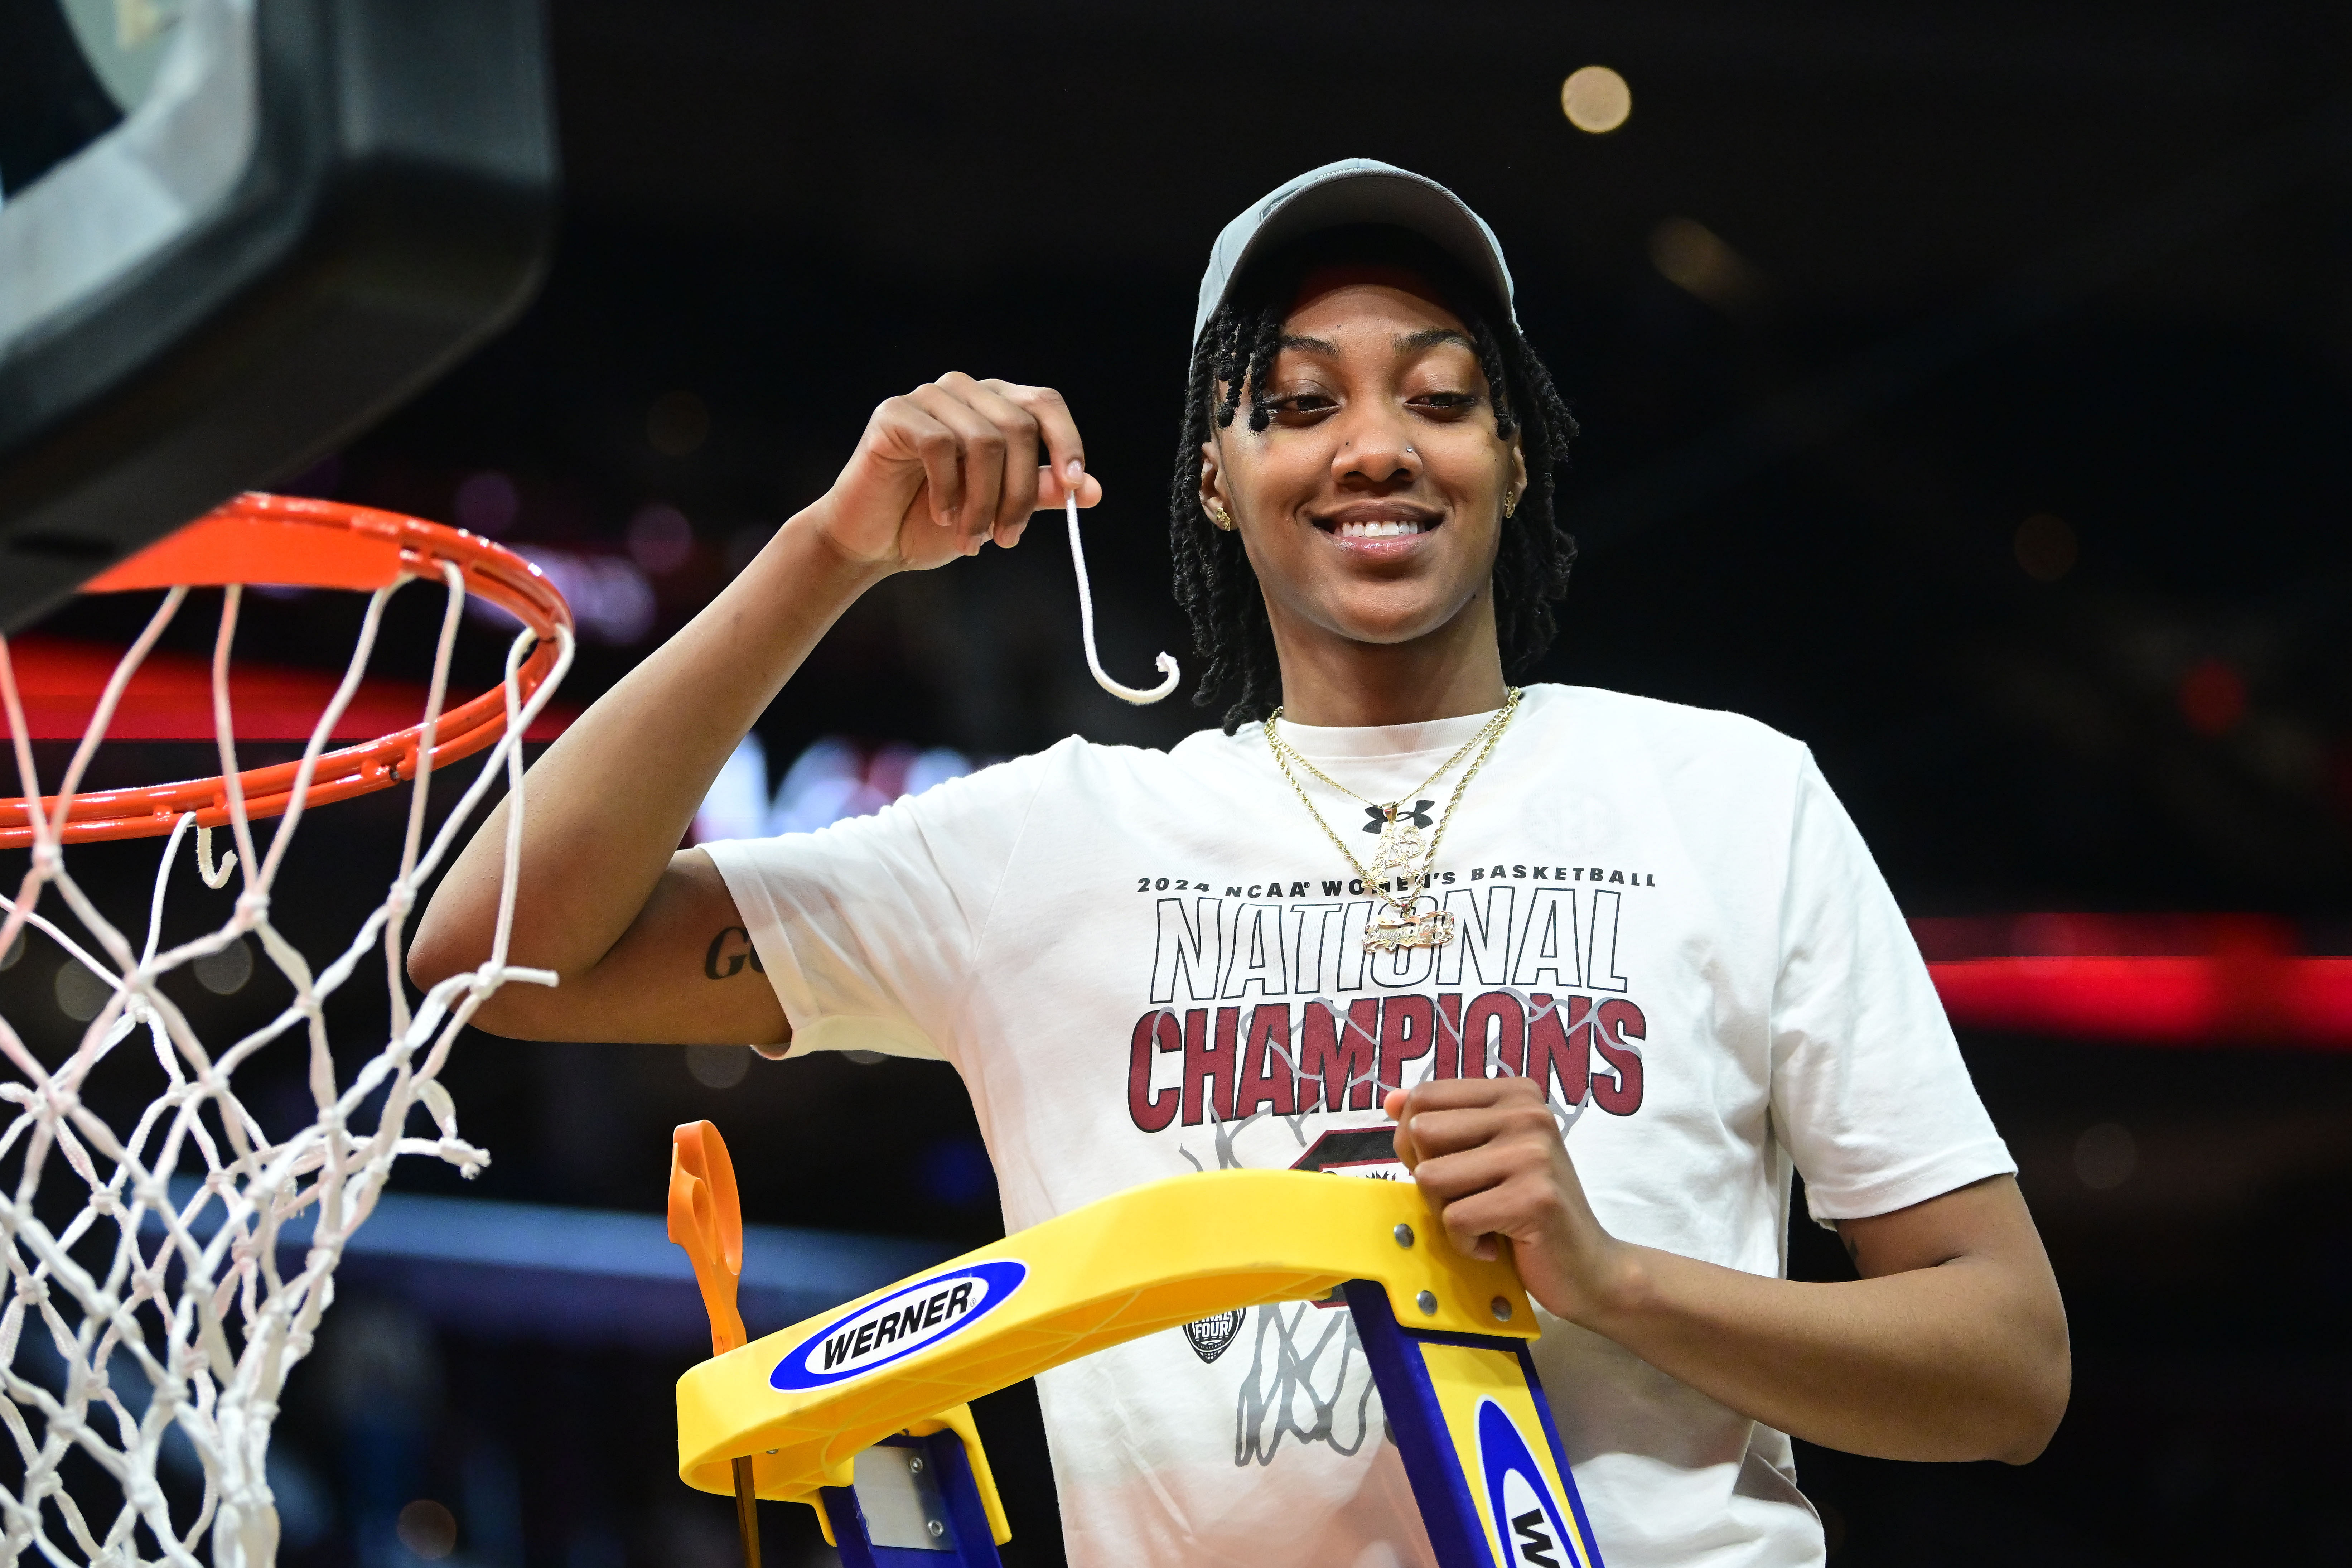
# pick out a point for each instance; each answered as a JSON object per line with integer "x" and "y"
{"x": 1600, "y": 971}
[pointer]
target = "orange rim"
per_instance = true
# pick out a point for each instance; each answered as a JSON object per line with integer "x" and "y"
{"x": 313, "y": 544}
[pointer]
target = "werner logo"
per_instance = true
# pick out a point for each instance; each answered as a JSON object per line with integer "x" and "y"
{"x": 899, "y": 1325}
{"x": 1531, "y": 1528}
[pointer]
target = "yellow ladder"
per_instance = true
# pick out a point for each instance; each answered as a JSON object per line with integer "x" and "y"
{"x": 862, "y": 1411}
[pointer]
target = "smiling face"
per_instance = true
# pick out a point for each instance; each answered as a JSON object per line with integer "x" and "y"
{"x": 1370, "y": 505}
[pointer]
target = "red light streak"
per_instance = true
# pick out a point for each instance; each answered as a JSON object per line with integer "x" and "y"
{"x": 2219, "y": 999}
{"x": 2162, "y": 980}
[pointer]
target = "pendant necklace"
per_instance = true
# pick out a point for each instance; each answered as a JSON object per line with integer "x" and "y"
{"x": 1402, "y": 859}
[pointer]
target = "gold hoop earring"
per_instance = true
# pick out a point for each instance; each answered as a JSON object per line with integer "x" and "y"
{"x": 1510, "y": 504}
{"x": 1217, "y": 513}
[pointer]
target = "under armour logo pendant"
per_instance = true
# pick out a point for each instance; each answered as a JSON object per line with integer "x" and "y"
{"x": 1382, "y": 816}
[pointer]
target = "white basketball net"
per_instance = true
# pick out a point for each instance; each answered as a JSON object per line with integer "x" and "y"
{"x": 132, "y": 1313}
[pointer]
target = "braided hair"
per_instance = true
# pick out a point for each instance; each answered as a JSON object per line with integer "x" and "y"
{"x": 1214, "y": 581}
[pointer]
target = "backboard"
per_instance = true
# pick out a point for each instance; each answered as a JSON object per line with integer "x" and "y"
{"x": 233, "y": 233}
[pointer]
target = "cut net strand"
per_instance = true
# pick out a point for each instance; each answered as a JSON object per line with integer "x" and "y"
{"x": 1166, "y": 664}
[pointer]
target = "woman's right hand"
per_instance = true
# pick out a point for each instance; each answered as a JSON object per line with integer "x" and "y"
{"x": 949, "y": 465}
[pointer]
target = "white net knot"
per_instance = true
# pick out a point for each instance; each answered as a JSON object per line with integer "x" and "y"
{"x": 252, "y": 909}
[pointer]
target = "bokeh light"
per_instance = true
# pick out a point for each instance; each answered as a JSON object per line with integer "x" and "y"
{"x": 832, "y": 779}
{"x": 428, "y": 1529}
{"x": 2105, "y": 1156}
{"x": 956, "y": 1172}
{"x": 1596, "y": 100}
{"x": 80, "y": 993}
{"x": 611, "y": 600}
{"x": 661, "y": 540}
{"x": 2212, "y": 698}
{"x": 2046, "y": 547}
{"x": 1697, "y": 260}
{"x": 486, "y": 504}
{"x": 718, "y": 1066}
{"x": 678, "y": 423}
{"x": 224, "y": 973}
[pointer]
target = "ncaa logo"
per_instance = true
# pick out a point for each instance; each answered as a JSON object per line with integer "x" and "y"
{"x": 1531, "y": 1529}
{"x": 899, "y": 1325}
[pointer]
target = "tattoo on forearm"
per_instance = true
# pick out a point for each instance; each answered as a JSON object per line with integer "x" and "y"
{"x": 728, "y": 950}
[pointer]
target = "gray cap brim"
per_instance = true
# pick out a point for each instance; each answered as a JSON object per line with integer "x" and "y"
{"x": 1354, "y": 191}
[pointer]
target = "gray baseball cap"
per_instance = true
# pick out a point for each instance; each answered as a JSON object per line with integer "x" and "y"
{"x": 1354, "y": 191}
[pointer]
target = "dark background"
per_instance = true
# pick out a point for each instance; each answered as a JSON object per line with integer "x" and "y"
{"x": 1964, "y": 392}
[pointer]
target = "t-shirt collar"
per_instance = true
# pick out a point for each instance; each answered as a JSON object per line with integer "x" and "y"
{"x": 1325, "y": 743}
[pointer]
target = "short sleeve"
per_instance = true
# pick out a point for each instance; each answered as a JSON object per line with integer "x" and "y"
{"x": 866, "y": 929}
{"x": 1869, "y": 1093}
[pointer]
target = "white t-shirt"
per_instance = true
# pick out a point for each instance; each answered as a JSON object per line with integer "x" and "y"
{"x": 1118, "y": 948}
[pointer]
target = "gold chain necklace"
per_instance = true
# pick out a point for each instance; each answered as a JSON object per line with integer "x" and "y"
{"x": 1401, "y": 864}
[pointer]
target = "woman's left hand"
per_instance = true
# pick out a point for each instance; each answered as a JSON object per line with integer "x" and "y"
{"x": 1489, "y": 1154}
{"x": 1952, "y": 1345}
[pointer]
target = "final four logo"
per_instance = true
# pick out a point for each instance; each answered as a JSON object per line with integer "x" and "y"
{"x": 1531, "y": 1527}
{"x": 899, "y": 1325}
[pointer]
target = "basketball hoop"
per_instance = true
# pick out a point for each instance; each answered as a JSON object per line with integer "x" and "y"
{"x": 149, "y": 1291}
{"x": 287, "y": 540}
